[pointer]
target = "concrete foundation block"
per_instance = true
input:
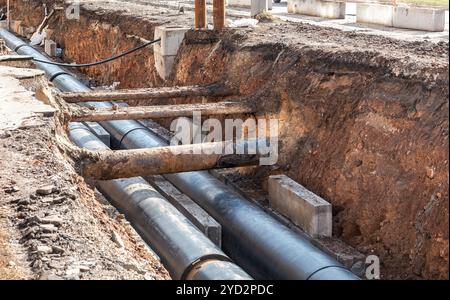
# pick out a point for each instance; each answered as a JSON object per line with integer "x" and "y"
{"x": 191, "y": 210}
{"x": 164, "y": 65}
{"x": 50, "y": 48}
{"x": 318, "y": 8}
{"x": 258, "y": 7}
{"x": 99, "y": 132}
{"x": 240, "y": 3}
{"x": 171, "y": 39}
{"x": 305, "y": 209}
{"x": 166, "y": 51}
{"x": 418, "y": 18}
{"x": 4, "y": 24}
{"x": 373, "y": 13}
{"x": 426, "y": 19}
{"x": 247, "y": 3}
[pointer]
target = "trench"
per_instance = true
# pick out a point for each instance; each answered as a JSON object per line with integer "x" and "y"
{"x": 347, "y": 125}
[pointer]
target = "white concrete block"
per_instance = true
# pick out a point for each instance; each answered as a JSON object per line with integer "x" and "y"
{"x": 99, "y": 132}
{"x": 319, "y": 8}
{"x": 245, "y": 3}
{"x": 240, "y": 3}
{"x": 419, "y": 18}
{"x": 304, "y": 208}
{"x": 258, "y": 7}
{"x": 164, "y": 65}
{"x": 374, "y": 13}
{"x": 171, "y": 39}
{"x": 50, "y": 48}
{"x": 191, "y": 210}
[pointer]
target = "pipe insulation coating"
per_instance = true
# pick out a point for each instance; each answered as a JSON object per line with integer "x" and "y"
{"x": 181, "y": 246}
{"x": 264, "y": 247}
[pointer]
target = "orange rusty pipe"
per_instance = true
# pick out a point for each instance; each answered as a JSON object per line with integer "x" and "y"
{"x": 219, "y": 14}
{"x": 200, "y": 14}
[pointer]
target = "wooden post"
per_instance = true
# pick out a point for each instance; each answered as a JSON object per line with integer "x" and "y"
{"x": 219, "y": 14}
{"x": 200, "y": 14}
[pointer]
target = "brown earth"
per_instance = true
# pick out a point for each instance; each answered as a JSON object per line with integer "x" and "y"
{"x": 364, "y": 119}
{"x": 53, "y": 225}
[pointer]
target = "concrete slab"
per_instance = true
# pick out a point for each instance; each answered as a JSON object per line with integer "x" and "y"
{"x": 246, "y": 3}
{"x": 165, "y": 51}
{"x": 99, "y": 132}
{"x": 318, "y": 8}
{"x": 191, "y": 210}
{"x": 164, "y": 65}
{"x": 258, "y": 7}
{"x": 171, "y": 39}
{"x": 304, "y": 208}
{"x": 50, "y": 48}
{"x": 418, "y": 18}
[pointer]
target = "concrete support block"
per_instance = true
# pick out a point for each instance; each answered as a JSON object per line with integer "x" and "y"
{"x": 258, "y": 7}
{"x": 427, "y": 19}
{"x": 99, "y": 132}
{"x": 50, "y": 48}
{"x": 166, "y": 51}
{"x": 164, "y": 65}
{"x": 374, "y": 13}
{"x": 247, "y": 3}
{"x": 4, "y": 24}
{"x": 418, "y": 18}
{"x": 240, "y": 3}
{"x": 171, "y": 39}
{"x": 191, "y": 210}
{"x": 304, "y": 208}
{"x": 318, "y": 8}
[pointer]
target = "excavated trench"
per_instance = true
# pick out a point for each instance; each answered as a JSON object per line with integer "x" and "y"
{"x": 364, "y": 129}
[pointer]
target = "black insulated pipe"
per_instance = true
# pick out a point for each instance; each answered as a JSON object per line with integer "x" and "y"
{"x": 182, "y": 248}
{"x": 264, "y": 247}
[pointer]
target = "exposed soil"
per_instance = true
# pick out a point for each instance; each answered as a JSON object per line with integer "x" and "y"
{"x": 53, "y": 225}
{"x": 364, "y": 119}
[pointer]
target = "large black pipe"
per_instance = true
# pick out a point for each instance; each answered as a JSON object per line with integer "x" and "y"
{"x": 182, "y": 247}
{"x": 255, "y": 240}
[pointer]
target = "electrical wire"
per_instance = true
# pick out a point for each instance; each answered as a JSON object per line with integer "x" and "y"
{"x": 98, "y": 62}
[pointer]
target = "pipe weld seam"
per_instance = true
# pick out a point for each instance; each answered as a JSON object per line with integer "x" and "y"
{"x": 124, "y": 136}
{"x": 326, "y": 267}
{"x": 58, "y": 74}
{"x": 199, "y": 262}
{"x": 20, "y": 46}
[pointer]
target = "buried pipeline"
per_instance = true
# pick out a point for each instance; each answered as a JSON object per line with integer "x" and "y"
{"x": 261, "y": 245}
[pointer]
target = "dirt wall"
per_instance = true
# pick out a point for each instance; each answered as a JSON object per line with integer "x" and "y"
{"x": 364, "y": 119}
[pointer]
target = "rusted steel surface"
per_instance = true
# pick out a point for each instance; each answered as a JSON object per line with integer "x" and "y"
{"x": 213, "y": 90}
{"x": 200, "y": 14}
{"x": 106, "y": 165}
{"x": 81, "y": 114}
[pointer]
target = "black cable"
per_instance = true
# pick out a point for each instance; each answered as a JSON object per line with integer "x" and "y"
{"x": 98, "y": 62}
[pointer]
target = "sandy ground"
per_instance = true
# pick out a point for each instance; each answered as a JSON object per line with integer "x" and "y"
{"x": 52, "y": 224}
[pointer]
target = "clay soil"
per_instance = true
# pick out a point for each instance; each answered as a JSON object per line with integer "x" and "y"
{"x": 53, "y": 225}
{"x": 364, "y": 119}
